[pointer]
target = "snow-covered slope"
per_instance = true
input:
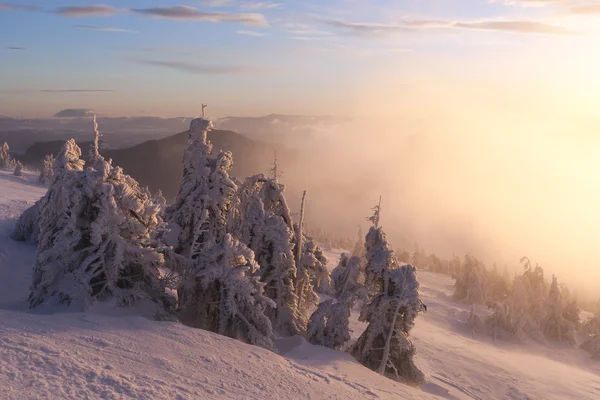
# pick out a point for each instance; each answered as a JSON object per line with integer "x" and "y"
{"x": 74, "y": 355}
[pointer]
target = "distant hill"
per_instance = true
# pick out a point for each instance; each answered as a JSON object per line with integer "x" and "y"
{"x": 158, "y": 163}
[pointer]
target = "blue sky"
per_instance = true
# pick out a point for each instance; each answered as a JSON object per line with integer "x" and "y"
{"x": 135, "y": 57}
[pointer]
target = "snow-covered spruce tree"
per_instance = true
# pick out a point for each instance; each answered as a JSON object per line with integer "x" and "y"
{"x": 6, "y": 161}
{"x": 347, "y": 278}
{"x": 359, "y": 246}
{"x": 523, "y": 324}
{"x": 312, "y": 275}
{"x": 47, "y": 171}
{"x": 221, "y": 293}
{"x": 27, "y": 227}
{"x": 537, "y": 291}
{"x": 555, "y": 326}
{"x": 18, "y": 169}
{"x": 385, "y": 346}
{"x": 198, "y": 218}
{"x": 329, "y": 324}
{"x": 381, "y": 260}
{"x": 64, "y": 171}
{"x": 261, "y": 222}
{"x": 470, "y": 282}
{"x": 96, "y": 239}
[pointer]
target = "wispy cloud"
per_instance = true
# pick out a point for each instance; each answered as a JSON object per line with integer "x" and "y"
{"x": 531, "y": 27}
{"x": 186, "y": 13}
{"x": 15, "y": 48}
{"x": 364, "y": 28}
{"x": 300, "y": 29}
{"x": 96, "y": 10}
{"x": 194, "y": 68}
{"x": 17, "y": 7}
{"x": 259, "y": 5}
{"x": 74, "y": 113}
{"x": 411, "y": 26}
{"x": 75, "y": 90}
{"x": 105, "y": 28}
{"x": 250, "y": 33}
{"x": 529, "y": 3}
{"x": 216, "y": 3}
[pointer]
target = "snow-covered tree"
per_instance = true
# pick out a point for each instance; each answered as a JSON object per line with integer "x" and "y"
{"x": 385, "y": 346}
{"x": 376, "y": 214}
{"x": 329, "y": 324}
{"x": 312, "y": 275}
{"x": 96, "y": 239}
{"x": 470, "y": 282}
{"x": 555, "y": 326}
{"x": 261, "y": 223}
{"x": 347, "y": 278}
{"x": 6, "y": 161}
{"x": 359, "y": 246}
{"x": 47, "y": 171}
{"x": 275, "y": 170}
{"x": 381, "y": 260}
{"x": 198, "y": 218}
{"x": 221, "y": 293}
{"x": 535, "y": 285}
{"x": 27, "y": 228}
{"x": 18, "y": 169}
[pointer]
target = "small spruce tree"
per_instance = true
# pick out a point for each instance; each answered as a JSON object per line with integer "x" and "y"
{"x": 47, "y": 171}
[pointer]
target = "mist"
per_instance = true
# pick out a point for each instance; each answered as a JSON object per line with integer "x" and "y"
{"x": 472, "y": 174}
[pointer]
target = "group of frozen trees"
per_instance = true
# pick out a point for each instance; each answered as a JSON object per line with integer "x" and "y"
{"x": 230, "y": 250}
{"x": 531, "y": 308}
{"x": 246, "y": 269}
{"x": 8, "y": 162}
{"x": 524, "y": 307}
{"x": 239, "y": 264}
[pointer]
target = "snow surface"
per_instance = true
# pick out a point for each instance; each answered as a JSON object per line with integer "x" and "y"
{"x": 92, "y": 355}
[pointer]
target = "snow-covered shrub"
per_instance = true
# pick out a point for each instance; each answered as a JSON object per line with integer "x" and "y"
{"x": 96, "y": 239}
{"x": 18, "y": 169}
{"x": 592, "y": 345}
{"x": 198, "y": 218}
{"x": 329, "y": 324}
{"x": 385, "y": 346}
{"x": 27, "y": 228}
{"x": 47, "y": 171}
{"x": 220, "y": 293}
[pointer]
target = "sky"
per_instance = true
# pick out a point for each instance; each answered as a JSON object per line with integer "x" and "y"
{"x": 476, "y": 117}
{"x": 148, "y": 57}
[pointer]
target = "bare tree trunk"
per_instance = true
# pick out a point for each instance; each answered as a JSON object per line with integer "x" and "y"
{"x": 388, "y": 340}
{"x": 299, "y": 232}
